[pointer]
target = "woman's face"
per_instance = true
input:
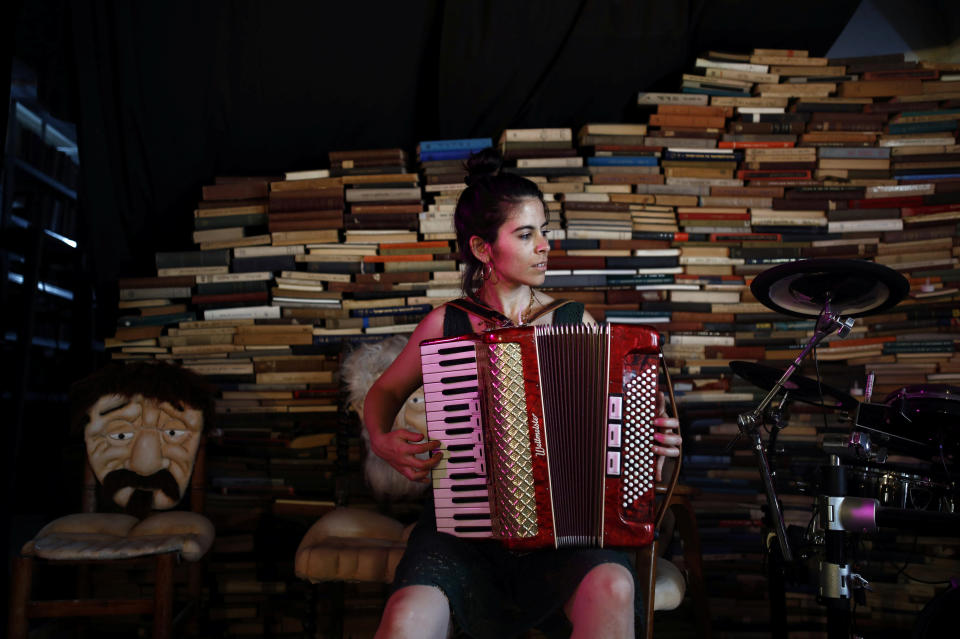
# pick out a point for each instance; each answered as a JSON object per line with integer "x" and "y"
{"x": 519, "y": 254}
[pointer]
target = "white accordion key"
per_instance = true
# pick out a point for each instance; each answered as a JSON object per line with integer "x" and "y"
{"x": 436, "y": 372}
{"x": 475, "y": 526}
{"x": 462, "y": 455}
{"x": 437, "y": 392}
{"x": 456, "y": 499}
{"x": 430, "y": 354}
{"x": 444, "y": 429}
{"x": 469, "y": 482}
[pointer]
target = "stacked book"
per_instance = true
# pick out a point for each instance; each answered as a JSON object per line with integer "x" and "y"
{"x": 383, "y": 197}
{"x": 443, "y": 164}
{"x": 546, "y": 156}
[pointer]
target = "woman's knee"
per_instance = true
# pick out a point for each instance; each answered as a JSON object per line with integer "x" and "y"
{"x": 611, "y": 584}
{"x": 421, "y": 611}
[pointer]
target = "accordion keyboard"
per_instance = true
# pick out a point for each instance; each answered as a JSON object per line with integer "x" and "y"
{"x": 453, "y": 417}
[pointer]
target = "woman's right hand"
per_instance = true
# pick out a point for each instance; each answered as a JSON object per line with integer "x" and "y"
{"x": 400, "y": 448}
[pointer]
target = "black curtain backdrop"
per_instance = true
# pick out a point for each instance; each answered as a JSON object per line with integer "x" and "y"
{"x": 174, "y": 93}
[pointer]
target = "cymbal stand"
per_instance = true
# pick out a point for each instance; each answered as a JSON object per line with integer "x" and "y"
{"x": 750, "y": 423}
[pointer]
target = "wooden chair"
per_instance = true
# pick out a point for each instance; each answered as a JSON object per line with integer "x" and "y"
{"x": 90, "y": 540}
{"x": 662, "y": 584}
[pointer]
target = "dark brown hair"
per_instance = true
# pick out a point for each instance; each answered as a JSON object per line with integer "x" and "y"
{"x": 154, "y": 380}
{"x": 480, "y": 210}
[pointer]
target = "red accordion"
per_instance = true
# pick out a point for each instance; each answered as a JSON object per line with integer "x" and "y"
{"x": 546, "y": 434}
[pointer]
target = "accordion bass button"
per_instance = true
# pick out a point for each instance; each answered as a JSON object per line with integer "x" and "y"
{"x": 613, "y": 463}
{"x": 613, "y": 434}
{"x": 615, "y": 408}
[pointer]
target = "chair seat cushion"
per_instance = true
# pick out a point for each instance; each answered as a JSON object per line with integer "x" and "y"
{"x": 103, "y": 536}
{"x": 350, "y": 544}
{"x": 670, "y": 586}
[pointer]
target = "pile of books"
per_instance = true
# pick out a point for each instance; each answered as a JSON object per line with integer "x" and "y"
{"x": 757, "y": 160}
{"x": 813, "y": 158}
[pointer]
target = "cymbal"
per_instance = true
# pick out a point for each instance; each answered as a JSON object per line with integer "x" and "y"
{"x": 853, "y": 288}
{"x": 799, "y": 387}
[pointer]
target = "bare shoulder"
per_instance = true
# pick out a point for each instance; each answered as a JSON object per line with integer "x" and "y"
{"x": 431, "y": 326}
{"x": 543, "y": 298}
{"x": 403, "y": 376}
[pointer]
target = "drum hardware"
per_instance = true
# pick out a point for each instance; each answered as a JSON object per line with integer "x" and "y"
{"x": 917, "y": 420}
{"x": 856, "y": 446}
{"x": 866, "y": 515}
{"x": 835, "y": 292}
{"x": 800, "y": 388}
{"x": 750, "y": 423}
{"x": 903, "y": 490}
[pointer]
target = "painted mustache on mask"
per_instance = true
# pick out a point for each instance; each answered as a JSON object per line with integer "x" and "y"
{"x": 141, "y": 501}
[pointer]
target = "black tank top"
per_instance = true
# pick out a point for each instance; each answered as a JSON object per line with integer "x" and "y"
{"x": 456, "y": 321}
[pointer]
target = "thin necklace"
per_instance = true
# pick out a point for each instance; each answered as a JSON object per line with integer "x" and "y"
{"x": 506, "y": 322}
{"x": 525, "y": 315}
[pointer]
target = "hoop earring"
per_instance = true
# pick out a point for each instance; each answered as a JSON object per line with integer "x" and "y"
{"x": 484, "y": 273}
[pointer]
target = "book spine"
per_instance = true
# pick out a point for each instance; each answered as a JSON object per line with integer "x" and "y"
{"x": 537, "y": 135}
{"x": 266, "y": 263}
{"x": 391, "y": 310}
{"x": 133, "y": 294}
{"x": 922, "y": 127}
{"x": 156, "y": 320}
{"x": 180, "y": 259}
{"x": 448, "y": 154}
{"x": 459, "y": 144}
{"x": 230, "y": 298}
{"x": 622, "y": 160}
{"x": 243, "y": 312}
{"x": 226, "y": 221}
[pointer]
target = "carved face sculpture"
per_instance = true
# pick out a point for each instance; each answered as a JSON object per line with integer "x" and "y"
{"x": 142, "y": 450}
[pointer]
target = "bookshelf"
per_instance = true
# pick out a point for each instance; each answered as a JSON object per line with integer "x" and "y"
{"x": 47, "y": 333}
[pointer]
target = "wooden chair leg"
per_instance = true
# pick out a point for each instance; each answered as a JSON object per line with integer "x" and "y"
{"x": 647, "y": 577}
{"x": 84, "y": 582}
{"x": 195, "y": 594}
{"x": 310, "y": 612}
{"x": 693, "y": 558}
{"x": 339, "y": 594}
{"x": 163, "y": 597}
{"x": 19, "y": 595}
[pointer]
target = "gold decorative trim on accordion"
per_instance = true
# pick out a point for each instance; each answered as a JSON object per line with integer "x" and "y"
{"x": 514, "y": 508}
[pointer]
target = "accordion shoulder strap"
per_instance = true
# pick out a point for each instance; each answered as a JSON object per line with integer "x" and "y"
{"x": 486, "y": 313}
{"x": 670, "y": 484}
{"x": 483, "y": 312}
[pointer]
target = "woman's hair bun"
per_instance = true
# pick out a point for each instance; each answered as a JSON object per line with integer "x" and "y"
{"x": 483, "y": 163}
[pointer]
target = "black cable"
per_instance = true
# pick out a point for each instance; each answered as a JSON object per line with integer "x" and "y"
{"x": 943, "y": 462}
{"x": 816, "y": 365}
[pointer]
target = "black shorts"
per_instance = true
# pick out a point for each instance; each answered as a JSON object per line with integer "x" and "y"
{"x": 495, "y": 592}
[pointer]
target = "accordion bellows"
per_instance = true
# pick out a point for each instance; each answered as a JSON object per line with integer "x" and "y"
{"x": 546, "y": 433}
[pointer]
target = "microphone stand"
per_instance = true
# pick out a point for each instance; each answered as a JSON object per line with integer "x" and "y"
{"x": 750, "y": 423}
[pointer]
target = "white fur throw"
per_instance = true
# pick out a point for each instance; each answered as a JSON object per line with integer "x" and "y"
{"x": 360, "y": 370}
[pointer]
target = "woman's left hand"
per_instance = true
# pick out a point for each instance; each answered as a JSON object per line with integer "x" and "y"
{"x": 667, "y": 438}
